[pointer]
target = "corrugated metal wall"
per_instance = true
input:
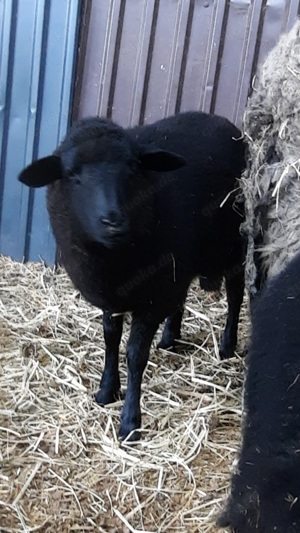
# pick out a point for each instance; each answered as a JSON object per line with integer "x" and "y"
{"x": 37, "y": 48}
{"x": 144, "y": 59}
{"x": 138, "y": 61}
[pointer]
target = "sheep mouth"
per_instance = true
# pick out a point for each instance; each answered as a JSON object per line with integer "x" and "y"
{"x": 116, "y": 240}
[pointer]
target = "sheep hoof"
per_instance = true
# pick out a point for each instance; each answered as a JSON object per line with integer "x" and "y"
{"x": 226, "y": 353}
{"x": 132, "y": 435}
{"x": 129, "y": 427}
{"x": 166, "y": 344}
{"x": 104, "y": 397}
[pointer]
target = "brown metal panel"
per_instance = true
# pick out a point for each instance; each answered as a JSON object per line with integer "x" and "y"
{"x": 248, "y": 63}
{"x": 202, "y": 57}
{"x": 98, "y": 63}
{"x": 291, "y": 13}
{"x": 278, "y": 16}
{"x": 252, "y": 29}
{"x": 167, "y": 56}
{"x": 142, "y": 60}
{"x": 132, "y": 62}
{"x": 238, "y": 32}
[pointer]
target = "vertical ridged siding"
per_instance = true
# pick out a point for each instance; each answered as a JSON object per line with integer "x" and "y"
{"x": 145, "y": 59}
{"x": 138, "y": 61}
{"x": 37, "y": 50}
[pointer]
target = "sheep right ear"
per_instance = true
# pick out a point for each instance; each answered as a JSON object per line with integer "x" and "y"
{"x": 42, "y": 172}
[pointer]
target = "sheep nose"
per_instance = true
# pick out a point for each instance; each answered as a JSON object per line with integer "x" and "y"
{"x": 108, "y": 222}
{"x": 113, "y": 224}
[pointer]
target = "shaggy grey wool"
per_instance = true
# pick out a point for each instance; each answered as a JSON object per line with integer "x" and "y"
{"x": 271, "y": 182}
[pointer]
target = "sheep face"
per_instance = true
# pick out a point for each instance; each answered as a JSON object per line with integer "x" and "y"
{"x": 106, "y": 179}
{"x": 102, "y": 195}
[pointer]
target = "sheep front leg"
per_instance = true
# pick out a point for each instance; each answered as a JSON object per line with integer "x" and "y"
{"x": 141, "y": 336}
{"x": 110, "y": 381}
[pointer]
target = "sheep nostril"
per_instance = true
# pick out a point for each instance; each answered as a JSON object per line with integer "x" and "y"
{"x": 113, "y": 226}
{"x": 108, "y": 222}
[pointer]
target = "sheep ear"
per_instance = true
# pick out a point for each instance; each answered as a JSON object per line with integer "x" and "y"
{"x": 42, "y": 172}
{"x": 161, "y": 160}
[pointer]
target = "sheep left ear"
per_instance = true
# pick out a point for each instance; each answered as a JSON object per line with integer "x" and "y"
{"x": 161, "y": 160}
{"x": 42, "y": 172}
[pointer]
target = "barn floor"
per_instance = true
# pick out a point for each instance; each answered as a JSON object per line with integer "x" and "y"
{"x": 62, "y": 468}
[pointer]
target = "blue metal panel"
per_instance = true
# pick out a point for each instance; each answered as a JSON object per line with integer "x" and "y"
{"x": 37, "y": 48}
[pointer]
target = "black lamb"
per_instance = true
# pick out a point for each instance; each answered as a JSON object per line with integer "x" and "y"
{"x": 265, "y": 492}
{"x": 137, "y": 214}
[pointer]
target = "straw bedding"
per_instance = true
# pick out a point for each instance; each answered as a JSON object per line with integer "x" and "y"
{"x": 62, "y": 468}
{"x": 271, "y": 184}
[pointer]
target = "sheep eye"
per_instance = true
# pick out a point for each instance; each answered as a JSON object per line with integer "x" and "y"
{"x": 74, "y": 178}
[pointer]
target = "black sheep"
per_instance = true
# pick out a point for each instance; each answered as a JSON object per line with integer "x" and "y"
{"x": 265, "y": 492}
{"x": 137, "y": 214}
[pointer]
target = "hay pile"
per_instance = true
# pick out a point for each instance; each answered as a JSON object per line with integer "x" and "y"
{"x": 62, "y": 468}
{"x": 271, "y": 184}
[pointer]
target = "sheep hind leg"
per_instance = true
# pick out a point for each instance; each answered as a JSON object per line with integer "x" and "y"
{"x": 110, "y": 382}
{"x": 234, "y": 283}
{"x": 171, "y": 331}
